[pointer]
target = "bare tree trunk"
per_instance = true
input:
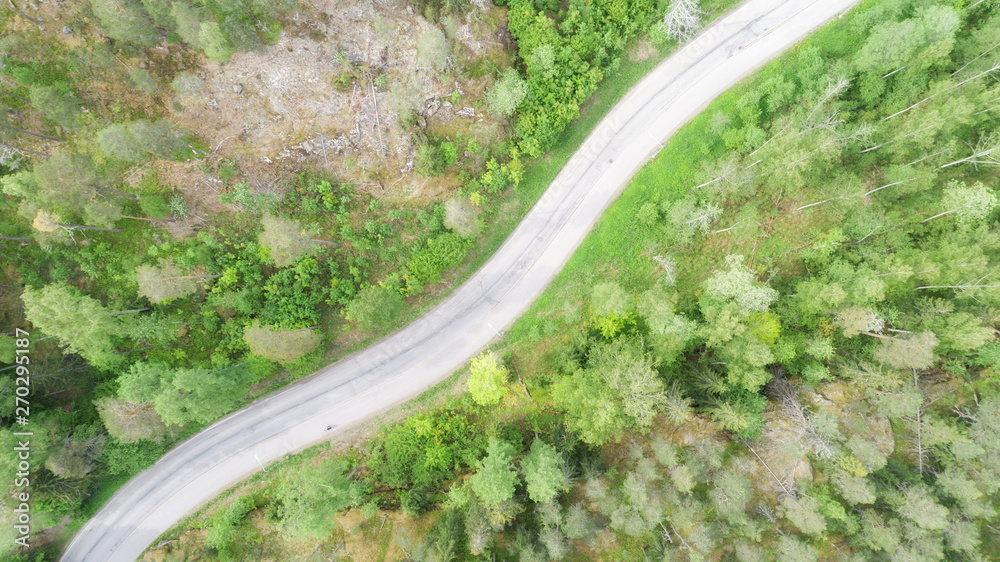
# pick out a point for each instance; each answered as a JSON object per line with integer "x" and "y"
{"x": 22, "y": 14}
{"x": 920, "y": 446}
{"x": 120, "y": 312}
{"x": 25, "y": 150}
{"x": 84, "y": 227}
{"x": 938, "y": 215}
{"x": 147, "y": 219}
{"x": 15, "y": 238}
{"x": 325, "y": 242}
{"x": 16, "y": 96}
{"x": 32, "y": 133}
{"x": 158, "y": 155}
{"x": 131, "y": 196}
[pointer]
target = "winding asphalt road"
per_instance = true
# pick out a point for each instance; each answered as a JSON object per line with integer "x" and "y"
{"x": 426, "y": 351}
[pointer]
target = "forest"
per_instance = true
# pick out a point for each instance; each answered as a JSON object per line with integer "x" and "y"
{"x": 779, "y": 343}
{"x": 169, "y": 267}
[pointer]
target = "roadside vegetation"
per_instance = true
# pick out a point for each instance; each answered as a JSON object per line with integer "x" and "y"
{"x": 779, "y": 344}
{"x": 167, "y": 276}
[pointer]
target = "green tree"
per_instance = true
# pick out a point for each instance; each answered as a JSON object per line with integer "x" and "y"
{"x": 307, "y": 499}
{"x": 283, "y": 346}
{"x": 183, "y": 395}
{"x": 803, "y": 512}
{"x": 75, "y": 456}
{"x": 507, "y": 93}
{"x": 619, "y": 389}
{"x": 159, "y": 11}
{"x": 126, "y": 20}
{"x": 72, "y": 183}
{"x": 56, "y": 106}
{"x": 920, "y": 505}
{"x": 214, "y": 42}
{"x": 188, "y": 21}
{"x": 495, "y": 480}
{"x": 739, "y": 285}
{"x": 80, "y": 322}
{"x": 430, "y": 160}
{"x": 487, "y": 379}
{"x": 543, "y": 474}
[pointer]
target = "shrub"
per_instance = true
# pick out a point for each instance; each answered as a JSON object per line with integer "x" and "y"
{"x": 431, "y": 160}
{"x": 442, "y": 253}
{"x": 375, "y": 308}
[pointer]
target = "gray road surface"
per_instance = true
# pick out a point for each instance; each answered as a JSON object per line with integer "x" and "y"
{"x": 426, "y": 351}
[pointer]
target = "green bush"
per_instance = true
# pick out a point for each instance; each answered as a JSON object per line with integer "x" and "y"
{"x": 442, "y": 253}
{"x": 375, "y": 308}
{"x": 154, "y": 206}
{"x": 431, "y": 160}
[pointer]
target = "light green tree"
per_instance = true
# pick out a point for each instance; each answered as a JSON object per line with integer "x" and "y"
{"x": 214, "y": 42}
{"x": 971, "y": 204}
{"x": 165, "y": 281}
{"x": 461, "y": 217}
{"x": 739, "y": 285}
{"x": 917, "y": 42}
{"x": 286, "y": 240}
{"x": 126, "y": 20}
{"x": 309, "y": 498}
{"x": 487, "y": 379}
{"x": 543, "y": 474}
{"x": 508, "y": 93}
{"x": 914, "y": 352}
{"x": 618, "y": 390}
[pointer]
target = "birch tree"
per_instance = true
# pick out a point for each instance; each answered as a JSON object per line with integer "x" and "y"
{"x": 286, "y": 241}
{"x": 283, "y": 346}
{"x": 971, "y": 205}
{"x": 165, "y": 281}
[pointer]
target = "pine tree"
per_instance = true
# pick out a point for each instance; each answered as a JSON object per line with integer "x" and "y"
{"x": 80, "y": 322}
{"x": 543, "y": 474}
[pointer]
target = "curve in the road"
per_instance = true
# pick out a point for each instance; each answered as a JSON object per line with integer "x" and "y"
{"x": 430, "y": 348}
